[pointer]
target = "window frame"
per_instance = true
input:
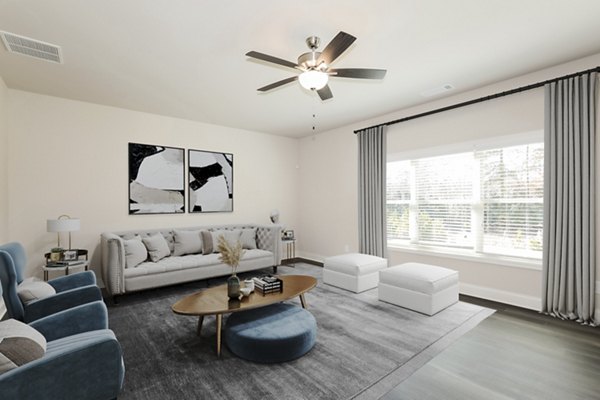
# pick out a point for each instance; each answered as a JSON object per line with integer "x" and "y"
{"x": 478, "y": 204}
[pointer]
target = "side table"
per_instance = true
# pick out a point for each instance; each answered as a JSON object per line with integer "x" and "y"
{"x": 290, "y": 251}
{"x": 82, "y": 255}
{"x": 66, "y": 270}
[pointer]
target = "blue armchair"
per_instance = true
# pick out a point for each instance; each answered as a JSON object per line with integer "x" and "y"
{"x": 83, "y": 359}
{"x": 71, "y": 290}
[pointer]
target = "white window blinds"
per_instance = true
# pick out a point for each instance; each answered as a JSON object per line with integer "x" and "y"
{"x": 485, "y": 201}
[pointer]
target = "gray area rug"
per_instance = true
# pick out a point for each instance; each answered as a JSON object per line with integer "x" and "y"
{"x": 361, "y": 343}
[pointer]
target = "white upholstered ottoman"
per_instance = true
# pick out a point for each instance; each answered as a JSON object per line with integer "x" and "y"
{"x": 355, "y": 272}
{"x": 419, "y": 287}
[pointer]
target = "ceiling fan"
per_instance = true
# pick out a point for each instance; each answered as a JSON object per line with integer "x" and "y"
{"x": 316, "y": 66}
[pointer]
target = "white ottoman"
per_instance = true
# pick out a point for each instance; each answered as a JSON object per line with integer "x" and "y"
{"x": 419, "y": 287}
{"x": 355, "y": 272}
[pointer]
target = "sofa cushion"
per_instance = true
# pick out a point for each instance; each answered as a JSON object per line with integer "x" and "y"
{"x": 34, "y": 289}
{"x": 157, "y": 247}
{"x": 248, "y": 238}
{"x": 173, "y": 263}
{"x": 256, "y": 253}
{"x": 19, "y": 344}
{"x": 187, "y": 242}
{"x": 135, "y": 252}
{"x": 188, "y": 262}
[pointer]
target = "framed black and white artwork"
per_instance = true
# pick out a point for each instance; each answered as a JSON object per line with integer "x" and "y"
{"x": 210, "y": 181}
{"x": 156, "y": 179}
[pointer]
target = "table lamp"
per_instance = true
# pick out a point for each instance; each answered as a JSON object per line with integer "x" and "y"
{"x": 64, "y": 223}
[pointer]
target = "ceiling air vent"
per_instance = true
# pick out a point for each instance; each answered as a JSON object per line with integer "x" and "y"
{"x": 31, "y": 47}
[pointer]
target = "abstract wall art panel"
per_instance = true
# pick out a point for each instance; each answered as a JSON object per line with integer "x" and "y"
{"x": 211, "y": 181}
{"x": 156, "y": 179}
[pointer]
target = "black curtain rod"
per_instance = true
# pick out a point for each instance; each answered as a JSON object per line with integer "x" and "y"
{"x": 482, "y": 99}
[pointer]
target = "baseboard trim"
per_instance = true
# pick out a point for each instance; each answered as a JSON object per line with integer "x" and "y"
{"x": 310, "y": 256}
{"x": 501, "y": 296}
{"x": 308, "y": 261}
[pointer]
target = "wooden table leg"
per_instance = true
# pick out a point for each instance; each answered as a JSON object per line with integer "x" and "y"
{"x": 200, "y": 321}
{"x": 302, "y": 301}
{"x": 219, "y": 318}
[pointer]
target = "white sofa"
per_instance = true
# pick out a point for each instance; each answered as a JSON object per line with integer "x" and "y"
{"x": 120, "y": 278}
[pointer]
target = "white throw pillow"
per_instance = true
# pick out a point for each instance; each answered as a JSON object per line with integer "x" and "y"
{"x": 187, "y": 242}
{"x": 135, "y": 252}
{"x": 19, "y": 344}
{"x": 248, "y": 238}
{"x": 157, "y": 247}
{"x": 34, "y": 289}
{"x": 231, "y": 236}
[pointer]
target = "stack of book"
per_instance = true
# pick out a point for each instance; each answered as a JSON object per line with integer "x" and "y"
{"x": 268, "y": 284}
{"x": 70, "y": 263}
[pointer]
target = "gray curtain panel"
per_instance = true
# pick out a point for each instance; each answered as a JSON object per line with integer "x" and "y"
{"x": 569, "y": 257}
{"x": 372, "y": 228}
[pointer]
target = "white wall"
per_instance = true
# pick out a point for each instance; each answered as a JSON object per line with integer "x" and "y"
{"x": 70, "y": 157}
{"x": 3, "y": 163}
{"x": 328, "y": 178}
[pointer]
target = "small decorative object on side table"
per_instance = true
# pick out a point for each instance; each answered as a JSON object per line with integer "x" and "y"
{"x": 68, "y": 259}
{"x": 55, "y": 254}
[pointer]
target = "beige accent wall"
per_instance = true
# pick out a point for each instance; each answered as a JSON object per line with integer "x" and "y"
{"x": 3, "y": 162}
{"x": 70, "y": 157}
{"x": 328, "y": 177}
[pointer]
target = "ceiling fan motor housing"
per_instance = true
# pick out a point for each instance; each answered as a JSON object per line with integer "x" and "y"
{"x": 309, "y": 60}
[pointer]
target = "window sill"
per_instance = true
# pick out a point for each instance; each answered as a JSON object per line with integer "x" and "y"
{"x": 507, "y": 261}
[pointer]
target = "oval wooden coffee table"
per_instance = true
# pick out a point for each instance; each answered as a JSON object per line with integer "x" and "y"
{"x": 214, "y": 301}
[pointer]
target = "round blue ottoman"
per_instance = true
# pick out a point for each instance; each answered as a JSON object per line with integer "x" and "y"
{"x": 276, "y": 333}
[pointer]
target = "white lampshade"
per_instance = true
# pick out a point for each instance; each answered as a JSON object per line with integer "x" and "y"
{"x": 313, "y": 80}
{"x": 63, "y": 225}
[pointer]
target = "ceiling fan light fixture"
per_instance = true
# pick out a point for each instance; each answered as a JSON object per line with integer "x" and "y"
{"x": 313, "y": 80}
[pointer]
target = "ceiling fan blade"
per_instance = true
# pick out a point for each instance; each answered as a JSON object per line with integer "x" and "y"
{"x": 277, "y": 84}
{"x": 358, "y": 73}
{"x": 336, "y": 47}
{"x": 325, "y": 93}
{"x": 271, "y": 59}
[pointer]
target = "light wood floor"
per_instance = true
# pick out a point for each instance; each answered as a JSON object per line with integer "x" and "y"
{"x": 513, "y": 354}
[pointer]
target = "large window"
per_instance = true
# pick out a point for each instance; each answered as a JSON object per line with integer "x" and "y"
{"x": 487, "y": 201}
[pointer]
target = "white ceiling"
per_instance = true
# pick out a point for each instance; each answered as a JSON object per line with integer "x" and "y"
{"x": 185, "y": 58}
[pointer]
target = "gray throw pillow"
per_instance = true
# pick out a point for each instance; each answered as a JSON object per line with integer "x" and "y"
{"x": 157, "y": 247}
{"x": 207, "y": 243}
{"x": 135, "y": 252}
{"x": 187, "y": 242}
{"x": 34, "y": 289}
{"x": 231, "y": 236}
{"x": 170, "y": 241}
{"x": 19, "y": 344}
{"x": 248, "y": 238}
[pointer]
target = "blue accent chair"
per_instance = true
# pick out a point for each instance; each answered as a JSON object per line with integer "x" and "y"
{"x": 83, "y": 359}
{"x": 71, "y": 290}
